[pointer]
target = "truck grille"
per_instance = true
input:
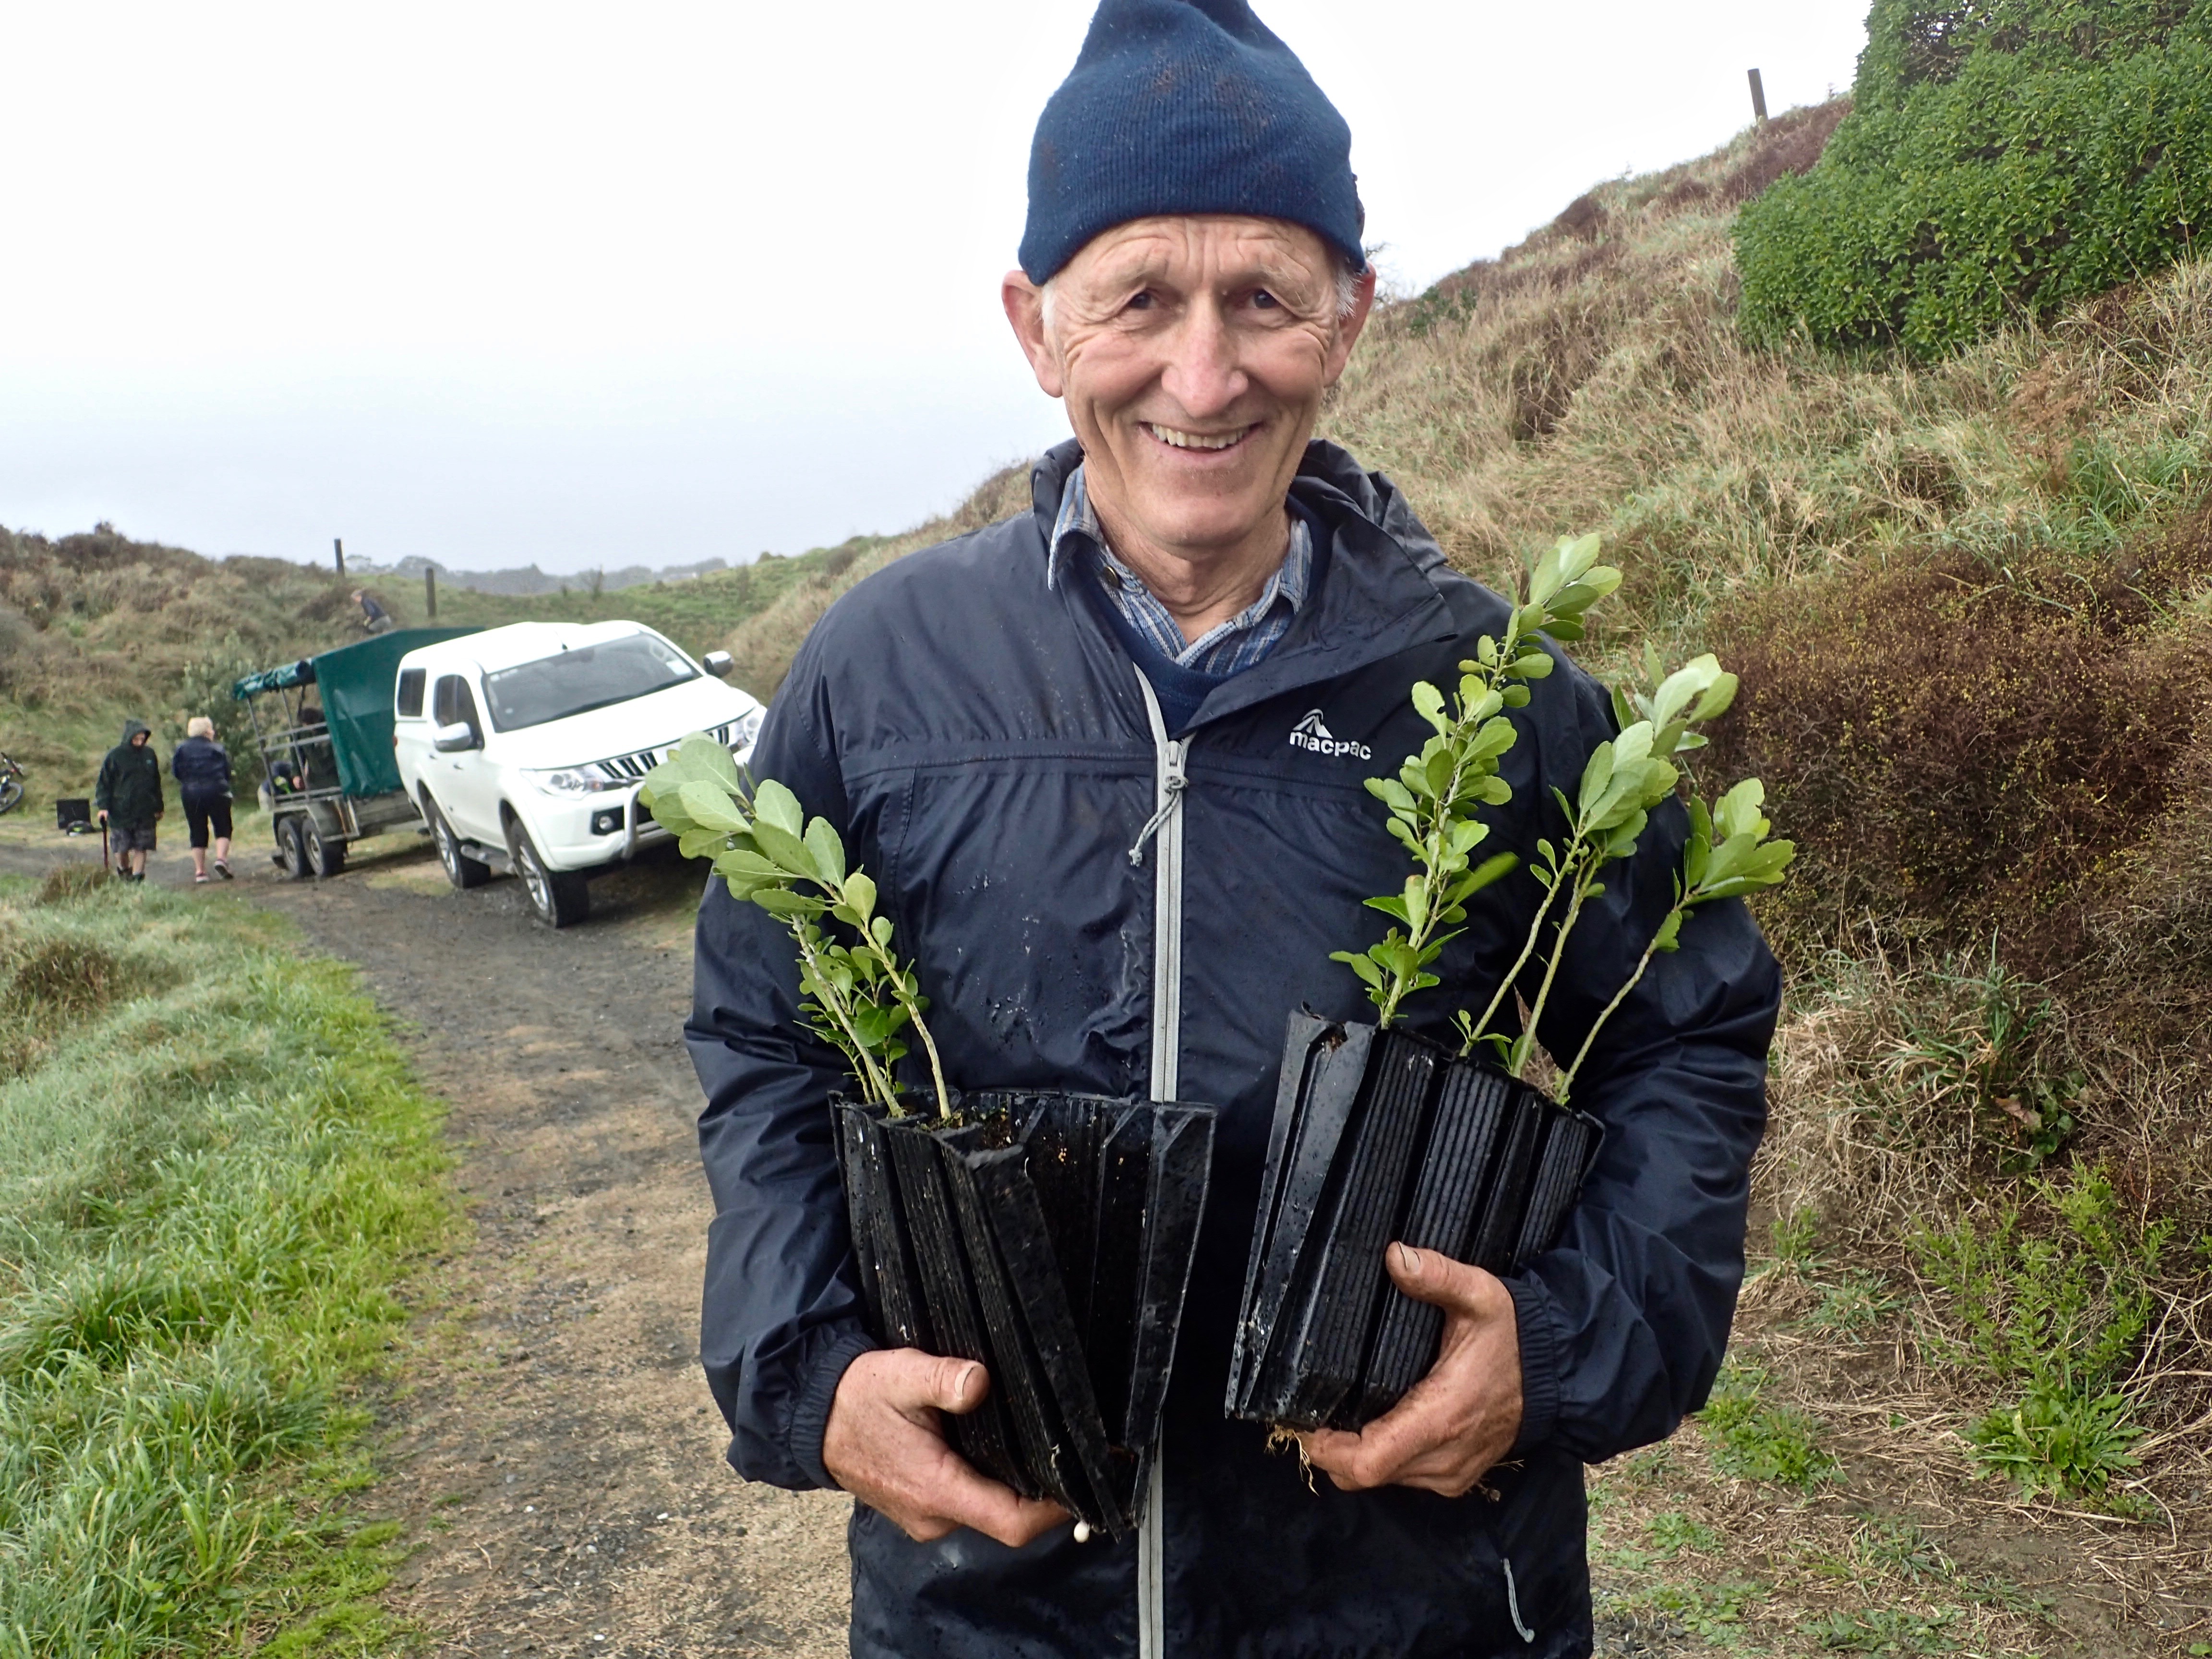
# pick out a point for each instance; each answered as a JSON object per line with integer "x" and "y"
{"x": 631, "y": 769}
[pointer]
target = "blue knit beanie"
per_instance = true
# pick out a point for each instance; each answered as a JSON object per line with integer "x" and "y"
{"x": 1186, "y": 106}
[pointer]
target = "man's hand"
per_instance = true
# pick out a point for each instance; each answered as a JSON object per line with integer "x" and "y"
{"x": 1454, "y": 1424}
{"x": 882, "y": 1444}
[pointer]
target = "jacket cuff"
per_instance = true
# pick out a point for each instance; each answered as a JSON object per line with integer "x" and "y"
{"x": 1540, "y": 1364}
{"x": 809, "y": 1416}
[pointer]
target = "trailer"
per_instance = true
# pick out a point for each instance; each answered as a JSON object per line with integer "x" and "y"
{"x": 324, "y": 727}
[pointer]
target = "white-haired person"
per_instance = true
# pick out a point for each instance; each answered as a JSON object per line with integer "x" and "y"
{"x": 202, "y": 769}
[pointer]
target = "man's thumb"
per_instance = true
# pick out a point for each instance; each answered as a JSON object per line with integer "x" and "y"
{"x": 1433, "y": 1277}
{"x": 958, "y": 1385}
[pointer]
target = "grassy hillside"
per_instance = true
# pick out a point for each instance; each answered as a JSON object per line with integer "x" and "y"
{"x": 96, "y": 627}
{"x": 1972, "y": 606}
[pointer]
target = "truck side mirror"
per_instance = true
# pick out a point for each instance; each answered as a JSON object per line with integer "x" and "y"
{"x": 718, "y": 664}
{"x": 452, "y": 740}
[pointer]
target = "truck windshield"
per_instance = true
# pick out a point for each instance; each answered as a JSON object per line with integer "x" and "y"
{"x": 589, "y": 676}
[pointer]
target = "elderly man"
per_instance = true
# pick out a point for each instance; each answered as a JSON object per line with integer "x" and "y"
{"x": 1080, "y": 751}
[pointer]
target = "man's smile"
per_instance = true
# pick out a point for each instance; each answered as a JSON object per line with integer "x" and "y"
{"x": 1176, "y": 438}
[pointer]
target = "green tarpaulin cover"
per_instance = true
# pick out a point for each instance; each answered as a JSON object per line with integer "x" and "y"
{"x": 355, "y": 684}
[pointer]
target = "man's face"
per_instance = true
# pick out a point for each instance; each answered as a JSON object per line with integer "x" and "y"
{"x": 1193, "y": 354}
{"x": 138, "y": 739}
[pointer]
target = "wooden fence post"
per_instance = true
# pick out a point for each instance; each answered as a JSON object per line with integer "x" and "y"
{"x": 1758, "y": 98}
{"x": 430, "y": 589}
{"x": 337, "y": 552}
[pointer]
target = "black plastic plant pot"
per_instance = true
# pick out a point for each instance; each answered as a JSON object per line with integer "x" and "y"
{"x": 1050, "y": 1237}
{"x": 1381, "y": 1136}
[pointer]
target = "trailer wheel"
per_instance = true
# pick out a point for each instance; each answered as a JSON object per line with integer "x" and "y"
{"x": 461, "y": 870}
{"x": 291, "y": 851}
{"x": 561, "y": 898}
{"x": 325, "y": 856}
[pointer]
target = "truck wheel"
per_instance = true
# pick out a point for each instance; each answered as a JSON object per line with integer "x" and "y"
{"x": 291, "y": 850}
{"x": 325, "y": 857}
{"x": 560, "y": 897}
{"x": 461, "y": 870}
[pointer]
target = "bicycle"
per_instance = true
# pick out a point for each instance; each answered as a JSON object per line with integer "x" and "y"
{"x": 11, "y": 780}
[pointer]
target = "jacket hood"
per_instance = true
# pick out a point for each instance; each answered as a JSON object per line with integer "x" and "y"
{"x": 132, "y": 728}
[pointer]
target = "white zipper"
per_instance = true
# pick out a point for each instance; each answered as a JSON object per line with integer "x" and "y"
{"x": 1166, "y": 829}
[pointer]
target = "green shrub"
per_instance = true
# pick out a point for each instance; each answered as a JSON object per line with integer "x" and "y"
{"x": 2001, "y": 161}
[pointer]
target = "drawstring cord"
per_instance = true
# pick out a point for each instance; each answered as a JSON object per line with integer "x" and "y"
{"x": 1173, "y": 789}
{"x": 1513, "y": 1603}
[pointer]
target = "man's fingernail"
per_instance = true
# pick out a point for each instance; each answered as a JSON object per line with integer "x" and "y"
{"x": 1409, "y": 1259}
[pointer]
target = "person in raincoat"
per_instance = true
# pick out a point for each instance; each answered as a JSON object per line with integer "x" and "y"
{"x": 1105, "y": 761}
{"x": 128, "y": 799}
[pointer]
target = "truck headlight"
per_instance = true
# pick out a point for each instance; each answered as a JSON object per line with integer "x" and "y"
{"x": 746, "y": 729}
{"x": 571, "y": 781}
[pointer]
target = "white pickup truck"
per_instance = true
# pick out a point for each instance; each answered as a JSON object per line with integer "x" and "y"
{"x": 524, "y": 746}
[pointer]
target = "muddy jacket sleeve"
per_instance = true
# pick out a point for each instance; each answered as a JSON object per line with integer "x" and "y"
{"x": 1624, "y": 1324}
{"x": 780, "y": 1317}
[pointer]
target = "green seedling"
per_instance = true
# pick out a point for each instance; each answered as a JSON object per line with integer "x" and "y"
{"x": 1727, "y": 855}
{"x": 1621, "y": 784}
{"x": 1435, "y": 797}
{"x": 860, "y": 996}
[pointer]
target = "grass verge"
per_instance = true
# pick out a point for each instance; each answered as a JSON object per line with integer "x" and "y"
{"x": 214, "y": 1171}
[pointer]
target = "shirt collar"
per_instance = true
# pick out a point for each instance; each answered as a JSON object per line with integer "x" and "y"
{"x": 1076, "y": 515}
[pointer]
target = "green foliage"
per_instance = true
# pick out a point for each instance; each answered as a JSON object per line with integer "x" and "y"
{"x": 859, "y": 996}
{"x": 203, "y": 687}
{"x": 2002, "y": 160}
{"x": 1793, "y": 1236}
{"x": 2058, "y": 1440}
{"x": 1434, "y": 798}
{"x": 2057, "y": 1292}
{"x": 1756, "y": 1441}
{"x": 212, "y": 1174}
{"x": 1885, "y": 1630}
{"x": 2056, "y": 1302}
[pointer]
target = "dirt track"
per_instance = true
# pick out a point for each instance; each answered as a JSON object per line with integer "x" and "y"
{"x": 555, "y": 1456}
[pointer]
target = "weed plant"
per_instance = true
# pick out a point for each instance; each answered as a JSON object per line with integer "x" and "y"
{"x": 213, "y": 1170}
{"x": 1755, "y": 1439}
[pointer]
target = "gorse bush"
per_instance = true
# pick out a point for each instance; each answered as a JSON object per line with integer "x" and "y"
{"x": 1954, "y": 745}
{"x": 212, "y": 1171}
{"x": 2002, "y": 160}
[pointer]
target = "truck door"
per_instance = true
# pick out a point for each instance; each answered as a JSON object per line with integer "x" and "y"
{"x": 462, "y": 781}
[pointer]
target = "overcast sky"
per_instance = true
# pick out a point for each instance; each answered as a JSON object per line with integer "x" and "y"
{"x": 648, "y": 283}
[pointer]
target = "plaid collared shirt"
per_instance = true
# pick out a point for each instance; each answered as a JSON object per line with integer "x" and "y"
{"x": 1229, "y": 648}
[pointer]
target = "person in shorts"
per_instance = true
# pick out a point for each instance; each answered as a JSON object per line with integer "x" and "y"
{"x": 128, "y": 797}
{"x": 201, "y": 767}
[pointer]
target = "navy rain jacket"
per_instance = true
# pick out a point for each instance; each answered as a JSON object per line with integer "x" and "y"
{"x": 985, "y": 746}
{"x": 201, "y": 767}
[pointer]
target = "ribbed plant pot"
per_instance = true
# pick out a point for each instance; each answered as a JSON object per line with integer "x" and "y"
{"x": 1050, "y": 1237}
{"x": 1382, "y": 1136}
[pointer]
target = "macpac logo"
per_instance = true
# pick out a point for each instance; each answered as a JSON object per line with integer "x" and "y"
{"x": 1310, "y": 733}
